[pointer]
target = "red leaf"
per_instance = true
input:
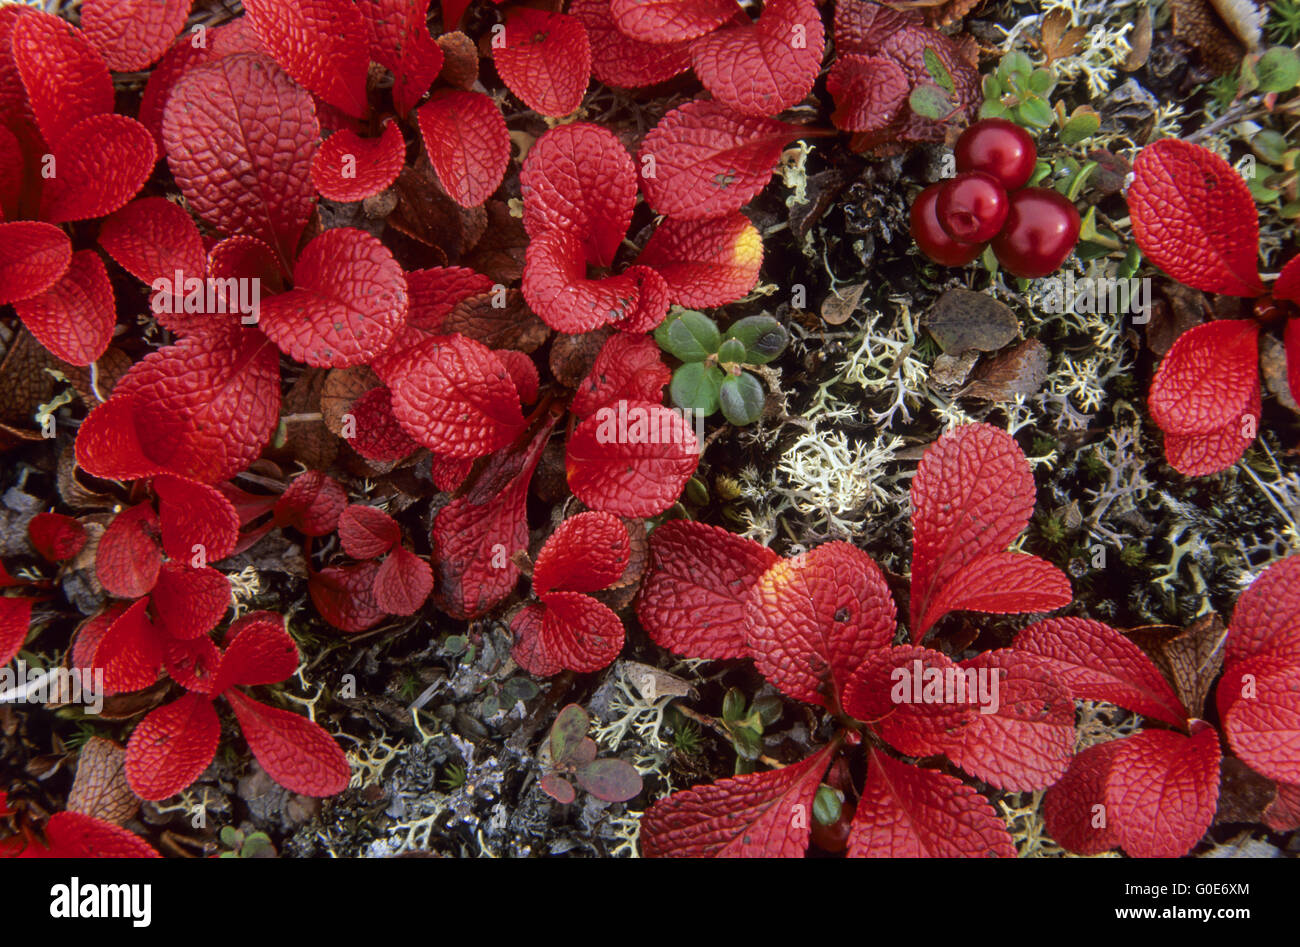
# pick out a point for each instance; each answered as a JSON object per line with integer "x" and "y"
{"x": 399, "y": 38}
{"x": 1287, "y": 287}
{"x": 761, "y": 815}
{"x": 1259, "y": 704}
{"x": 348, "y": 167}
{"x": 195, "y": 515}
{"x": 1264, "y": 621}
{"x": 366, "y": 532}
{"x": 295, "y": 752}
{"x": 312, "y": 504}
{"x": 1001, "y": 583}
{"x": 151, "y": 238}
{"x": 88, "y": 636}
{"x": 586, "y": 553}
{"x": 130, "y": 651}
{"x": 102, "y": 163}
{"x": 1026, "y": 743}
{"x": 973, "y": 494}
{"x": 697, "y": 582}
{"x": 455, "y": 396}
{"x": 466, "y": 137}
{"x": 403, "y": 582}
{"x": 619, "y": 60}
{"x": 1200, "y": 455}
{"x": 764, "y": 67}
{"x": 348, "y": 302}
{"x": 546, "y": 60}
{"x": 344, "y": 596}
{"x": 321, "y": 43}
{"x": 706, "y": 263}
{"x": 1291, "y": 341}
{"x": 258, "y": 651}
{"x": 1075, "y": 811}
{"x": 476, "y": 536}
{"x": 378, "y": 436}
{"x": 133, "y": 34}
{"x": 15, "y": 623}
{"x": 813, "y": 618}
{"x": 703, "y": 159}
{"x": 1163, "y": 790}
{"x": 909, "y": 812}
{"x": 55, "y": 536}
{"x": 575, "y": 632}
{"x": 890, "y": 690}
{"x": 862, "y": 25}
{"x": 1208, "y": 378}
{"x": 239, "y": 137}
{"x": 12, "y": 170}
{"x": 870, "y": 92}
{"x": 65, "y": 77}
{"x": 1096, "y": 662}
{"x": 193, "y": 663}
{"x": 33, "y": 257}
{"x": 557, "y": 289}
{"x": 633, "y": 460}
{"x": 201, "y": 409}
{"x": 558, "y": 788}
{"x": 435, "y": 292}
{"x": 523, "y": 372}
{"x": 188, "y": 602}
{"x": 628, "y": 368}
{"x": 1283, "y": 813}
{"x": 580, "y": 179}
{"x": 665, "y": 21}
{"x": 128, "y": 558}
{"x": 74, "y": 318}
{"x": 1194, "y": 217}
{"x": 76, "y": 835}
{"x": 172, "y": 746}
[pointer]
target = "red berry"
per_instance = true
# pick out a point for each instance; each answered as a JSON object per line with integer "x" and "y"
{"x": 972, "y": 207}
{"x": 1000, "y": 148}
{"x": 1041, "y": 230}
{"x": 933, "y": 239}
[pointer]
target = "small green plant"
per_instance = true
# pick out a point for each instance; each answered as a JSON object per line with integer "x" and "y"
{"x": 712, "y": 374}
{"x": 573, "y": 754}
{"x": 745, "y": 723}
{"x": 239, "y": 845}
{"x": 1284, "y": 22}
{"x": 1021, "y": 92}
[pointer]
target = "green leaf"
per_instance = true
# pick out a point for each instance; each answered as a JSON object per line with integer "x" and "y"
{"x": 696, "y": 492}
{"x": 1132, "y": 261}
{"x": 1015, "y": 64}
{"x": 764, "y": 338}
{"x": 230, "y": 836}
{"x": 992, "y": 88}
{"x": 930, "y": 101}
{"x": 827, "y": 804}
{"x": 693, "y": 336}
{"x": 1279, "y": 69}
{"x": 490, "y": 705}
{"x": 610, "y": 780}
{"x": 769, "y": 709}
{"x": 569, "y": 730}
{"x": 742, "y": 399}
{"x": 1080, "y": 127}
{"x": 1270, "y": 146}
{"x": 1079, "y": 180}
{"x": 939, "y": 72}
{"x": 733, "y": 706}
{"x": 1037, "y": 112}
{"x": 695, "y": 386}
{"x": 1042, "y": 171}
{"x": 747, "y": 739}
{"x": 520, "y": 688}
{"x": 732, "y": 352}
{"x": 995, "y": 110}
{"x": 1041, "y": 81}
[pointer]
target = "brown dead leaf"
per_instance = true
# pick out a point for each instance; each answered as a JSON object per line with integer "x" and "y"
{"x": 1180, "y": 309}
{"x": 512, "y": 326}
{"x": 1200, "y": 24}
{"x": 72, "y": 490}
{"x": 949, "y": 373}
{"x": 459, "y": 60}
{"x": 839, "y": 306}
{"x": 1190, "y": 658}
{"x": 426, "y": 213}
{"x": 24, "y": 383}
{"x": 1244, "y": 794}
{"x": 1061, "y": 39}
{"x": 500, "y": 254}
{"x": 1272, "y": 364}
{"x": 1020, "y": 371}
{"x": 654, "y": 683}
{"x": 1140, "y": 40}
{"x": 341, "y": 387}
{"x": 961, "y": 320}
{"x": 307, "y": 439}
{"x": 100, "y": 788}
{"x": 572, "y": 355}
{"x": 109, "y": 369}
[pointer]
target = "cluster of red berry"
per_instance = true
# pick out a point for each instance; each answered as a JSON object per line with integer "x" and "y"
{"x": 1032, "y": 229}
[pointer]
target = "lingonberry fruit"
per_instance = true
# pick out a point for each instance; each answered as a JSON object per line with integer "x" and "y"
{"x": 1042, "y": 228}
{"x": 930, "y": 236}
{"x": 972, "y": 207}
{"x": 999, "y": 148}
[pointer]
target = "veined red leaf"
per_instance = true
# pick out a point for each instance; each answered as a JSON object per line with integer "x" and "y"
{"x": 258, "y": 651}
{"x": 399, "y": 38}
{"x": 379, "y": 436}
{"x": 348, "y": 167}
{"x": 813, "y": 618}
{"x": 628, "y": 368}
{"x": 133, "y": 34}
{"x": 973, "y": 494}
{"x": 199, "y": 524}
{"x": 1194, "y": 217}
{"x": 706, "y": 263}
{"x": 586, "y": 553}
{"x": 557, "y": 289}
{"x": 704, "y": 160}
{"x": 696, "y": 585}
{"x": 403, "y": 582}
{"x": 65, "y": 77}
{"x": 633, "y": 460}
{"x": 344, "y": 596}
{"x": 909, "y": 812}
{"x": 619, "y": 60}
{"x": 573, "y": 631}
{"x": 312, "y": 504}
{"x": 193, "y": 663}
{"x": 1096, "y": 662}
{"x": 15, "y": 623}
{"x": 321, "y": 43}
{"x": 468, "y": 144}
{"x": 102, "y": 163}
{"x": 1148, "y": 770}
{"x": 75, "y": 835}
{"x": 1208, "y": 378}
{"x": 172, "y": 746}
{"x": 55, "y": 536}
{"x": 435, "y": 292}
{"x": 1264, "y": 620}
{"x": 666, "y": 21}
{"x": 128, "y": 558}
{"x": 764, "y": 67}
{"x": 33, "y": 257}
{"x": 1200, "y": 455}
{"x": 130, "y": 652}
{"x": 296, "y": 752}
{"x": 546, "y": 60}
{"x": 580, "y": 179}
{"x": 1075, "y": 811}
{"x": 761, "y": 815}
{"x": 366, "y": 532}
{"x": 151, "y": 238}
{"x": 1001, "y": 583}
{"x": 1259, "y": 703}
{"x": 189, "y": 603}
{"x": 240, "y": 136}
{"x": 915, "y": 699}
{"x": 74, "y": 318}
{"x": 348, "y": 302}
{"x": 870, "y": 92}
